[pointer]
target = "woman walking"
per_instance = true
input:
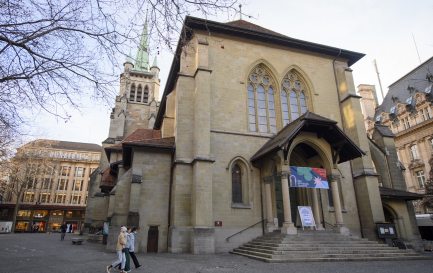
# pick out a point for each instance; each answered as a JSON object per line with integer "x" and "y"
{"x": 121, "y": 244}
{"x": 132, "y": 233}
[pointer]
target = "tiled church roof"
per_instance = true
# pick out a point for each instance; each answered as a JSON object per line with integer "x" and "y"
{"x": 148, "y": 137}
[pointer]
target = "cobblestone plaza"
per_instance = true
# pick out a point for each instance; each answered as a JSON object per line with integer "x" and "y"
{"x": 40, "y": 253}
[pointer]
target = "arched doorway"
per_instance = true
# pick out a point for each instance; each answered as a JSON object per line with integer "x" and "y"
{"x": 392, "y": 218}
{"x": 306, "y": 154}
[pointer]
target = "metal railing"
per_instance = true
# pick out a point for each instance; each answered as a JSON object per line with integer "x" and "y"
{"x": 239, "y": 232}
{"x": 332, "y": 226}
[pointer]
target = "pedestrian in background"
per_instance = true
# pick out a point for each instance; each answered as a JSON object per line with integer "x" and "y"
{"x": 63, "y": 231}
{"x": 126, "y": 251}
{"x": 132, "y": 234}
{"x": 120, "y": 246}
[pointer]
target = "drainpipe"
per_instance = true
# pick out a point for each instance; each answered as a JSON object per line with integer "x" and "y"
{"x": 261, "y": 203}
{"x": 170, "y": 189}
{"x": 342, "y": 118}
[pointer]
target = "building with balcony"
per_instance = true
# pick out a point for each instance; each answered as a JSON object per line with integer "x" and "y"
{"x": 56, "y": 186}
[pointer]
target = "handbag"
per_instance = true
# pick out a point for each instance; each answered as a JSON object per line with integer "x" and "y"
{"x": 124, "y": 249}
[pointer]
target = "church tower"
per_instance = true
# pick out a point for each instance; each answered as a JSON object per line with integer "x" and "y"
{"x": 137, "y": 103}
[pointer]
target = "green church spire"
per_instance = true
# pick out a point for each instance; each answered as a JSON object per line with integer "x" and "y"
{"x": 142, "y": 60}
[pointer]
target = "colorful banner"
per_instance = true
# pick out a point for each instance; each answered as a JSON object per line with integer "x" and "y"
{"x": 307, "y": 177}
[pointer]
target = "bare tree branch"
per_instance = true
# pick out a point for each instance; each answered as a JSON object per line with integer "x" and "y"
{"x": 52, "y": 53}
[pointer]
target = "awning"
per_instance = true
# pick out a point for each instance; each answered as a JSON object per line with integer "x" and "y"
{"x": 325, "y": 128}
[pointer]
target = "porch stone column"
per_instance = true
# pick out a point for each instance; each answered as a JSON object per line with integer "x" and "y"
{"x": 316, "y": 210}
{"x": 270, "y": 225}
{"x": 335, "y": 179}
{"x": 288, "y": 226}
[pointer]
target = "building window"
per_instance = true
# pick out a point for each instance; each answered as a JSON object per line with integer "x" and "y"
{"x": 431, "y": 144}
{"x": 63, "y": 185}
{"x": 293, "y": 98}
{"x": 79, "y": 171}
{"x": 146, "y": 94}
{"x": 236, "y": 184}
{"x": 32, "y": 183}
{"x": 420, "y": 178}
{"x": 60, "y": 198}
{"x": 406, "y": 123}
{"x": 414, "y": 152}
{"x": 132, "y": 93}
{"x": 65, "y": 170}
{"x": 75, "y": 199}
{"x": 261, "y": 101}
{"x": 240, "y": 186}
{"x": 78, "y": 185}
{"x": 28, "y": 197}
{"x": 46, "y": 183}
{"x": 44, "y": 198}
{"x": 139, "y": 93}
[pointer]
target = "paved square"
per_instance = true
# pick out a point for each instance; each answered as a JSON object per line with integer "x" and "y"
{"x": 41, "y": 253}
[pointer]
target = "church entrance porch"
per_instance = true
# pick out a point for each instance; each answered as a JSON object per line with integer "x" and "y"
{"x": 296, "y": 164}
{"x": 299, "y": 197}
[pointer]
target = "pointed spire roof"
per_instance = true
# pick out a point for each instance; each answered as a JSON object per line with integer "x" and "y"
{"x": 155, "y": 62}
{"x": 142, "y": 60}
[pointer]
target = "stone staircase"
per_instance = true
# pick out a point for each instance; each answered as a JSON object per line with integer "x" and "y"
{"x": 316, "y": 246}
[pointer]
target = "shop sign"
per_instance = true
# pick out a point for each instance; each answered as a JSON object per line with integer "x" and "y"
{"x": 307, "y": 177}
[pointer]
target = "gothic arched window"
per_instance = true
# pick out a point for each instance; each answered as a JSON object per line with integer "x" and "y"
{"x": 236, "y": 184}
{"x": 146, "y": 94}
{"x": 132, "y": 93}
{"x": 139, "y": 93}
{"x": 261, "y": 101}
{"x": 293, "y": 98}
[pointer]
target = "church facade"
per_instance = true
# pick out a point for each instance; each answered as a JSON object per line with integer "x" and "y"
{"x": 212, "y": 165}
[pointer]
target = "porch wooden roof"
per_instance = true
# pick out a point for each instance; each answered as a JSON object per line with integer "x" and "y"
{"x": 389, "y": 193}
{"x": 343, "y": 147}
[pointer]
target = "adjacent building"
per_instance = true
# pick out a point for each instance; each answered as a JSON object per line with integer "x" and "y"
{"x": 246, "y": 117}
{"x": 56, "y": 189}
{"x": 407, "y": 112}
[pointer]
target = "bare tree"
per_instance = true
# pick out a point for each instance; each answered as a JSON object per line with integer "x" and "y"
{"x": 54, "y": 52}
{"x": 23, "y": 174}
{"x": 427, "y": 201}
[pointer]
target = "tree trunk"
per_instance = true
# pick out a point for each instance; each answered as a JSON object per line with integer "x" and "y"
{"x": 16, "y": 208}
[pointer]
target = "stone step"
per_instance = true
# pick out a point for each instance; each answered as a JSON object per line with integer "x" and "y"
{"x": 297, "y": 237}
{"x": 321, "y": 248}
{"x": 319, "y": 251}
{"x": 325, "y": 246}
{"x": 270, "y": 260}
{"x": 315, "y": 242}
{"x": 315, "y": 245}
{"x": 341, "y": 256}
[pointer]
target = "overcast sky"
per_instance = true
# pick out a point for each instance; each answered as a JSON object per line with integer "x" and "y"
{"x": 386, "y": 31}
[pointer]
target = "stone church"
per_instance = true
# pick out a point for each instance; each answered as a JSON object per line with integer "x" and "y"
{"x": 212, "y": 165}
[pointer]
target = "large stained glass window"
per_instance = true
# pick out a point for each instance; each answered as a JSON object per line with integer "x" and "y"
{"x": 293, "y": 98}
{"x": 261, "y": 101}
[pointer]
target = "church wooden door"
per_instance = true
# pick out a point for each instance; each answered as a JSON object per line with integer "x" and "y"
{"x": 152, "y": 239}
